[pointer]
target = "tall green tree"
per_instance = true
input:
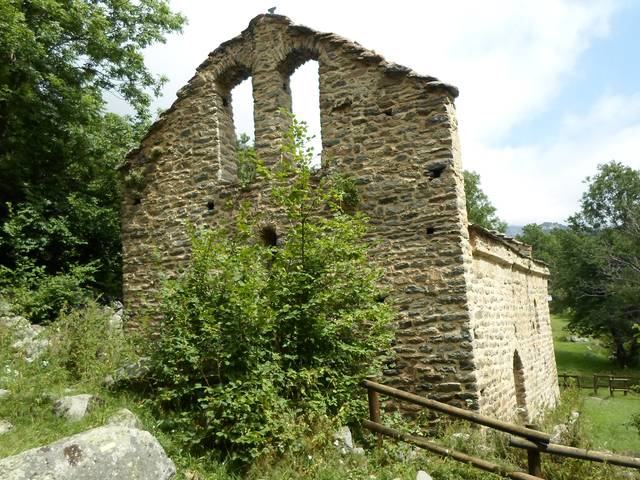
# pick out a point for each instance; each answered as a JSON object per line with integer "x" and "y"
{"x": 58, "y": 148}
{"x": 480, "y": 210}
{"x": 598, "y": 264}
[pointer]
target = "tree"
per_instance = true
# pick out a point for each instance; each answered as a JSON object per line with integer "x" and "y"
{"x": 599, "y": 261}
{"x": 58, "y": 148}
{"x": 545, "y": 247}
{"x": 266, "y": 329}
{"x": 479, "y": 208}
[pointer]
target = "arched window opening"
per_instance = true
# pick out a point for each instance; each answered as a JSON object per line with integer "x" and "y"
{"x": 304, "y": 85}
{"x": 521, "y": 393}
{"x": 235, "y": 125}
{"x": 245, "y": 154}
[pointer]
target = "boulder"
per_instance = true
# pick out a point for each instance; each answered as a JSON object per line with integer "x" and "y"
{"x": 105, "y": 452}
{"x": 5, "y": 427}
{"x": 75, "y": 407}
{"x": 27, "y": 338}
{"x": 116, "y": 314}
{"x": 422, "y": 475}
{"x": 342, "y": 438}
{"x": 125, "y": 418}
{"x": 132, "y": 371}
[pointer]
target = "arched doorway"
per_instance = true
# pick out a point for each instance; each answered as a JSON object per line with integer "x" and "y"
{"x": 521, "y": 394}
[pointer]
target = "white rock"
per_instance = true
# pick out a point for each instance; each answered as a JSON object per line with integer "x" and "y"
{"x": 422, "y": 475}
{"x": 106, "y": 452}
{"x": 75, "y": 407}
{"x": 125, "y": 418}
{"x": 4, "y": 393}
{"x": 559, "y": 432}
{"x": 343, "y": 438}
{"x": 5, "y": 427}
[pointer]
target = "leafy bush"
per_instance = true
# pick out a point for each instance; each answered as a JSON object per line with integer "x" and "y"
{"x": 42, "y": 297}
{"x": 260, "y": 330}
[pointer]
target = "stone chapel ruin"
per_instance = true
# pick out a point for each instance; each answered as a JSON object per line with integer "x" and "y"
{"x": 474, "y": 328}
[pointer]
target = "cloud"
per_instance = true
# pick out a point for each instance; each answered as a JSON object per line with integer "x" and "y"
{"x": 543, "y": 182}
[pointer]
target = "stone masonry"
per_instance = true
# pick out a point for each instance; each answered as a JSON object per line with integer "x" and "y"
{"x": 474, "y": 325}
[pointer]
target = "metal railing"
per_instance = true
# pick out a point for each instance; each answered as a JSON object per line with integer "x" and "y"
{"x": 524, "y": 437}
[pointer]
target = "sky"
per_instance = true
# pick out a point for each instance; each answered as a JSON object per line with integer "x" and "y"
{"x": 548, "y": 89}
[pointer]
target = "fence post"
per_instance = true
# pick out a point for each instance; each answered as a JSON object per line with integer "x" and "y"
{"x": 611, "y": 386}
{"x": 534, "y": 461}
{"x": 595, "y": 384}
{"x": 578, "y": 379}
{"x": 374, "y": 412}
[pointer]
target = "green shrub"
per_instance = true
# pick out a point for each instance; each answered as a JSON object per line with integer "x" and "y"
{"x": 41, "y": 297}
{"x": 264, "y": 327}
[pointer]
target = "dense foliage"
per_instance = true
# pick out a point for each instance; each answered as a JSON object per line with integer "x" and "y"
{"x": 266, "y": 327}
{"x": 480, "y": 210}
{"x": 595, "y": 263}
{"x": 58, "y": 148}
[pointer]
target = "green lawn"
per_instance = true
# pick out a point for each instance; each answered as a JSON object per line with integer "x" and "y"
{"x": 604, "y": 418}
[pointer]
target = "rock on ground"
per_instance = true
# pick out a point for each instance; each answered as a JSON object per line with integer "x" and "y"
{"x": 110, "y": 452}
{"x": 5, "y": 427}
{"x": 343, "y": 438}
{"x": 75, "y": 407}
{"x": 4, "y": 393}
{"x": 422, "y": 475}
{"x": 125, "y": 418}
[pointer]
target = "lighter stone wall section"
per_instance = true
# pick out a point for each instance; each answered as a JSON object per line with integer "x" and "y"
{"x": 510, "y": 317}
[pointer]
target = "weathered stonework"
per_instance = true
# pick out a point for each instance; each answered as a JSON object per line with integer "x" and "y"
{"x": 461, "y": 291}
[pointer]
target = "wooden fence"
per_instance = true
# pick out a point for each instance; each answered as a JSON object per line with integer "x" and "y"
{"x": 524, "y": 437}
{"x": 614, "y": 383}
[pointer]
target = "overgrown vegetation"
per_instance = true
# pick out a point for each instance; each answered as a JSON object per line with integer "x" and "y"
{"x": 60, "y": 196}
{"x": 270, "y": 330}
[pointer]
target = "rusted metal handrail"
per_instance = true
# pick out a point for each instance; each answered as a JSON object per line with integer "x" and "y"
{"x": 532, "y": 440}
{"x": 528, "y": 433}
{"x": 445, "y": 452}
{"x": 579, "y": 453}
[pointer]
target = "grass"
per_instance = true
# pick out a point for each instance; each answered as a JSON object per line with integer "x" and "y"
{"x": 605, "y": 419}
{"x": 33, "y": 385}
{"x": 582, "y": 358}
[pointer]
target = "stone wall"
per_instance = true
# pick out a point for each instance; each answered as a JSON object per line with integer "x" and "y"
{"x": 390, "y": 129}
{"x": 512, "y": 344}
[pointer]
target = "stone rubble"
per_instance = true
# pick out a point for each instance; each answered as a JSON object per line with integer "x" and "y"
{"x": 125, "y": 418}
{"x": 75, "y": 407}
{"x": 105, "y": 452}
{"x": 5, "y": 426}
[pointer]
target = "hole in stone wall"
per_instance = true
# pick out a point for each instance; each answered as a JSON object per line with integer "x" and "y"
{"x": 269, "y": 236}
{"x": 210, "y": 205}
{"x": 305, "y": 103}
{"x": 435, "y": 172}
{"x": 431, "y": 230}
{"x": 137, "y": 201}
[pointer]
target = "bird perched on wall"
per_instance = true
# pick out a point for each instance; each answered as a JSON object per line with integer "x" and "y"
{"x": 272, "y": 10}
